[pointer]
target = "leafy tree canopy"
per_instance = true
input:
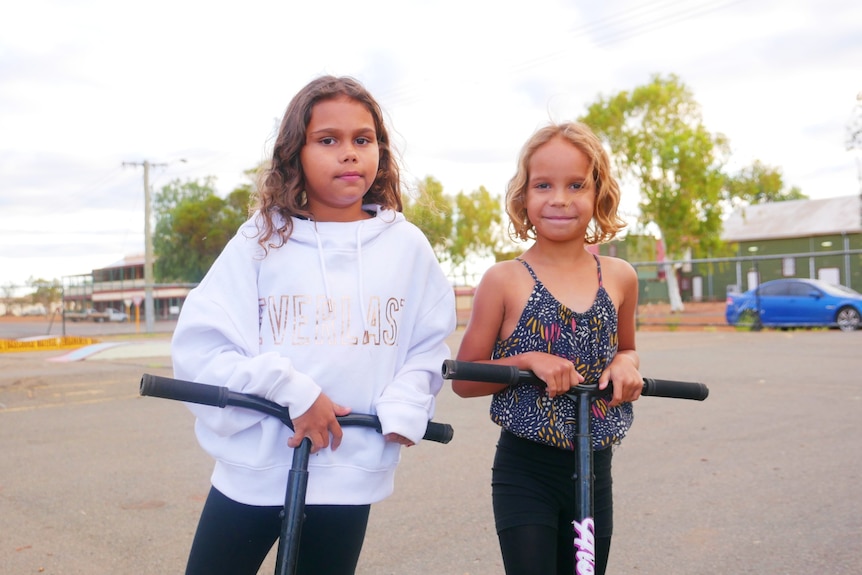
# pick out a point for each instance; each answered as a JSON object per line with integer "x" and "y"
{"x": 657, "y": 140}
{"x": 193, "y": 225}
{"x": 477, "y": 226}
{"x": 760, "y": 184}
{"x": 432, "y": 212}
{"x": 853, "y": 140}
{"x": 459, "y": 228}
{"x": 45, "y": 292}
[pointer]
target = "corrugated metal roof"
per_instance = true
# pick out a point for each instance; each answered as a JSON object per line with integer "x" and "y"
{"x": 132, "y": 260}
{"x": 794, "y": 219}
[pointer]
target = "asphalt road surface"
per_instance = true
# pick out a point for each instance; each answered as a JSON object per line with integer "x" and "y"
{"x": 763, "y": 477}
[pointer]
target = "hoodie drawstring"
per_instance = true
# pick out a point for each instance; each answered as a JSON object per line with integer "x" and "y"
{"x": 323, "y": 268}
{"x": 365, "y": 335}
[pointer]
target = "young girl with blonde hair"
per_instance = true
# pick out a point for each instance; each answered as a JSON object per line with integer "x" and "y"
{"x": 568, "y": 315}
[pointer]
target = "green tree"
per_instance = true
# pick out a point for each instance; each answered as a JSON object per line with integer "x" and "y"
{"x": 477, "y": 227}
{"x": 45, "y": 293}
{"x": 760, "y": 184}
{"x": 657, "y": 140}
{"x": 432, "y": 212}
{"x": 8, "y": 290}
{"x": 460, "y": 228}
{"x": 853, "y": 139}
{"x": 193, "y": 225}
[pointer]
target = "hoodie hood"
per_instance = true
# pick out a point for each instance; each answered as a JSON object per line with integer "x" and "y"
{"x": 342, "y": 235}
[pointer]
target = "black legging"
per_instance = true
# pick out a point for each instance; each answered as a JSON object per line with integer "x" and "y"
{"x": 534, "y": 549}
{"x": 533, "y": 497}
{"x": 234, "y": 539}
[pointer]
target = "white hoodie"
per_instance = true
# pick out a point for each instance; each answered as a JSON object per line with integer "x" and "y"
{"x": 290, "y": 324}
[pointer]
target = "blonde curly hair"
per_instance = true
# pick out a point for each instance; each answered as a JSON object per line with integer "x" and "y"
{"x": 606, "y": 222}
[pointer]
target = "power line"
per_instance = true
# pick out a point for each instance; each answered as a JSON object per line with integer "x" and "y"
{"x": 651, "y": 16}
{"x": 633, "y": 22}
{"x": 688, "y": 13}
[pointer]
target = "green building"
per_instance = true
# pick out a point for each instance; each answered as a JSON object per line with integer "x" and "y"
{"x": 818, "y": 239}
{"x": 802, "y": 238}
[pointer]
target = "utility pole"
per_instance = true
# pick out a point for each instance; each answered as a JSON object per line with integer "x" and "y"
{"x": 149, "y": 307}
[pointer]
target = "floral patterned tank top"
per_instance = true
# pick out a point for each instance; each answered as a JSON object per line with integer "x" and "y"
{"x": 589, "y": 340}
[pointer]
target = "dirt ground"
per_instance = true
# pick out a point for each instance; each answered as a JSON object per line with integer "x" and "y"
{"x": 695, "y": 316}
{"x": 97, "y": 479}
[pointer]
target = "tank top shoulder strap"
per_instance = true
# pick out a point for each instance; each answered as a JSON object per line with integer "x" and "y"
{"x": 598, "y": 268}
{"x": 536, "y": 279}
{"x": 529, "y": 269}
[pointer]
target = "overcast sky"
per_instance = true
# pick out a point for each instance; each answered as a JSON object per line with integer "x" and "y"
{"x": 88, "y": 85}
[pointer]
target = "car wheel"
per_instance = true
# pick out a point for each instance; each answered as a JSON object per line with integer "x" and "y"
{"x": 749, "y": 319}
{"x": 848, "y": 319}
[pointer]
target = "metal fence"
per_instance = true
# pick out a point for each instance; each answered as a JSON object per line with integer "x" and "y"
{"x": 712, "y": 279}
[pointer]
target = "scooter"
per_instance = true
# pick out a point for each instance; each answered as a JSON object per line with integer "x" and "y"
{"x": 297, "y": 482}
{"x": 584, "y": 522}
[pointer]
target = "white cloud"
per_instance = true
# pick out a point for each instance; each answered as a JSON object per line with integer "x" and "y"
{"x": 92, "y": 84}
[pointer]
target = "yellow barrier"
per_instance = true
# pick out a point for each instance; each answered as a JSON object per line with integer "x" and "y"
{"x": 44, "y": 344}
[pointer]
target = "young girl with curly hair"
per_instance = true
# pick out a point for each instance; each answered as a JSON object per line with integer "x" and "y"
{"x": 327, "y": 300}
{"x": 568, "y": 315}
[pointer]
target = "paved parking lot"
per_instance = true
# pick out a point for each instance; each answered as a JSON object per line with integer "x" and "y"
{"x": 763, "y": 477}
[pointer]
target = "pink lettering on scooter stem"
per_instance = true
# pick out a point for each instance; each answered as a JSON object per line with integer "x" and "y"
{"x": 585, "y": 543}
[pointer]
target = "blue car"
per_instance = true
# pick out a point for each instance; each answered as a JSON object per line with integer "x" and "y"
{"x": 796, "y": 302}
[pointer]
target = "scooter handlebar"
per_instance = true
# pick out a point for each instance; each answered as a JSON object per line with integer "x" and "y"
{"x": 678, "y": 389}
{"x": 488, "y": 373}
{"x": 510, "y": 375}
{"x": 218, "y": 396}
{"x": 180, "y": 390}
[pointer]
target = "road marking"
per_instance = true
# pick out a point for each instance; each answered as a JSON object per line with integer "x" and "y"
{"x": 66, "y": 404}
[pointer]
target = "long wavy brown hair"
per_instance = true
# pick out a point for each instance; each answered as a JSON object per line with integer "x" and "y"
{"x": 606, "y": 222}
{"x": 281, "y": 185}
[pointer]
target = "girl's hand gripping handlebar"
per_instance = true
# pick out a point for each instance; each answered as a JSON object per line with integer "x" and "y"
{"x": 192, "y": 392}
{"x": 510, "y": 375}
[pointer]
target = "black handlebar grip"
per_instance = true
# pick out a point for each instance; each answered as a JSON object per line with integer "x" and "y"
{"x": 189, "y": 391}
{"x": 439, "y": 432}
{"x": 486, "y": 372}
{"x": 677, "y": 389}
